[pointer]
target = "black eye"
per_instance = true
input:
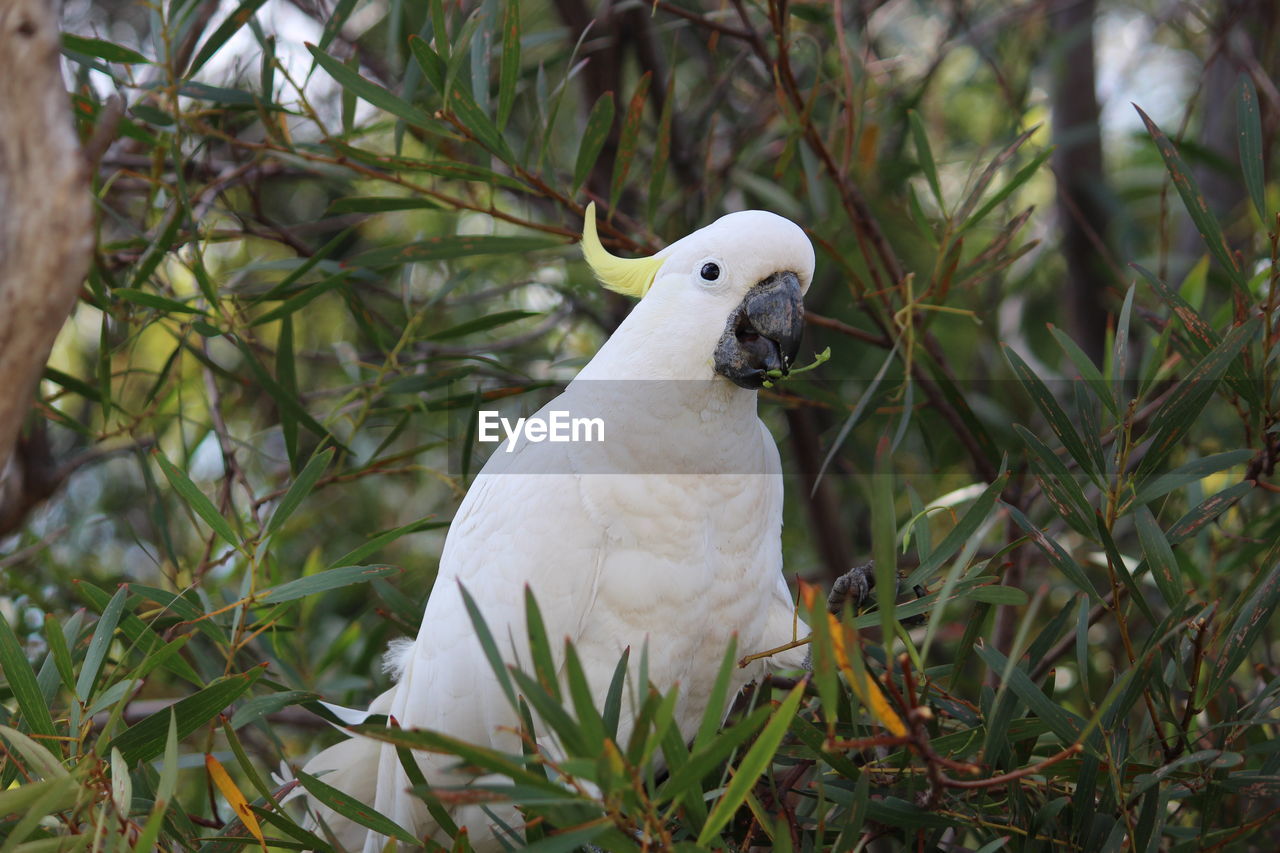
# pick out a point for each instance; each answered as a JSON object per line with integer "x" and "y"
{"x": 710, "y": 272}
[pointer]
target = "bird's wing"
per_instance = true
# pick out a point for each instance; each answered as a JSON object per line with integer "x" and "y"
{"x": 784, "y": 623}
{"x": 522, "y": 524}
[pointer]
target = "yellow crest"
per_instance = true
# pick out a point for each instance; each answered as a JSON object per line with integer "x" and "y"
{"x": 630, "y": 276}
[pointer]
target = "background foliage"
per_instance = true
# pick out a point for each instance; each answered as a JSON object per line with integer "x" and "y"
{"x": 1051, "y": 404}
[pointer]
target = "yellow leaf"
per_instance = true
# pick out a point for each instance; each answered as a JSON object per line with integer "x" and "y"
{"x": 228, "y": 787}
{"x": 867, "y": 688}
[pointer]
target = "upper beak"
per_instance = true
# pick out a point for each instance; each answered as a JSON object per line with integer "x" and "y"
{"x": 763, "y": 334}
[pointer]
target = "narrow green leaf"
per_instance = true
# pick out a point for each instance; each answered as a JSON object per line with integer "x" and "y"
{"x": 1007, "y": 189}
{"x": 1193, "y": 199}
{"x": 382, "y": 540}
{"x": 59, "y": 651}
{"x": 960, "y": 534}
{"x": 898, "y": 812}
{"x": 432, "y": 64}
{"x": 1060, "y": 486}
{"x": 599, "y": 122}
{"x": 924, "y": 156}
{"x": 758, "y": 757}
{"x": 1164, "y": 566}
{"x": 509, "y": 76}
{"x": 1057, "y": 556}
{"x": 157, "y": 248}
{"x": 267, "y": 75}
{"x": 1120, "y": 351}
{"x": 423, "y": 790}
{"x": 1059, "y": 422}
{"x": 513, "y": 767}
{"x": 71, "y": 383}
{"x": 612, "y": 710}
{"x": 1249, "y": 128}
{"x": 589, "y": 720}
{"x": 97, "y": 652}
{"x": 22, "y": 683}
{"x": 1189, "y": 397}
{"x": 487, "y": 643}
{"x": 570, "y": 839}
{"x": 629, "y": 138}
{"x": 451, "y": 246}
{"x": 156, "y": 301}
{"x": 1061, "y": 722}
{"x": 223, "y": 33}
{"x": 168, "y": 783}
{"x": 884, "y": 536}
{"x": 146, "y": 739}
{"x": 261, "y": 706}
{"x": 144, "y": 639}
{"x": 711, "y": 754}
{"x": 1117, "y": 564}
{"x": 283, "y": 398}
{"x": 1088, "y": 370}
{"x": 1203, "y": 336}
{"x": 35, "y": 800}
{"x": 322, "y": 582}
{"x": 287, "y": 373}
{"x": 481, "y": 324}
{"x": 994, "y": 594}
{"x": 354, "y": 810}
{"x": 1191, "y": 472}
{"x": 368, "y": 90}
{"x": 540, "y": 646}
{"x": 196, "y": 500}
{"x": 301, "y": 488}
{"x": 1206, "y": 511}
{"x": 100, "y": 49}
{"x": 988, "y": 174}
{"x": 1249, "y": 626}
{"x": 719, "y": 698}
{"x": 337, "y": 19}
{"x": 661, "y": 149}
{"x": 468, "y": 114}
{"x": 451, "y": 169}
{"x": 221, "y": 95}
{"x": 287, "y": 283}
{"x": 551, "y": 712}
{"x": 37, "y": 756}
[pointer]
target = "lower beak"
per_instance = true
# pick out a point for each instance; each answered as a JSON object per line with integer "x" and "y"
{"x": 763, "y": 334}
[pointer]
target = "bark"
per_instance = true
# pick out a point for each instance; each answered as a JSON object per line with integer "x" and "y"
{"x": 1244, "y": 33}
{"x": 830, "y": 533}
{"x": 1077, "y": 164}
{"x": 46, "y": 235}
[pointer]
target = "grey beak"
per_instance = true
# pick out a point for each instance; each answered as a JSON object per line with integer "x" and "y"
{"x": 763, "y": 334}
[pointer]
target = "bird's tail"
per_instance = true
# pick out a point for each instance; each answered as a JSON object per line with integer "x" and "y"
{"x": 355, "y": 766}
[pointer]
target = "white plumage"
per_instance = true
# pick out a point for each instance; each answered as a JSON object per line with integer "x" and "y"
{"x": 668, "y": 531}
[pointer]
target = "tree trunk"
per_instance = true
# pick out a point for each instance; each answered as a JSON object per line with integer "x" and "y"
{"x": 1243, "y": 34}
{"x": 46, "y": 231}
{"x": 1077, "y": 164}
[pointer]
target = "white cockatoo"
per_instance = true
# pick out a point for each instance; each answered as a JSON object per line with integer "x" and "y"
{"x": 666, "y": 532}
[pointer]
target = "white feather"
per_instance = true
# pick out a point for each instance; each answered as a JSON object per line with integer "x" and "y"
{"x": 682, "y": 553}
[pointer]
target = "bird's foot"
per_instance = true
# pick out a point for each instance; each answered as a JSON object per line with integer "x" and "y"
{"x": 854, "y": 587}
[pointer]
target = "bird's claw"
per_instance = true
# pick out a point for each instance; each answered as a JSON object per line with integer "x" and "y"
{"x": 852, "y": 587}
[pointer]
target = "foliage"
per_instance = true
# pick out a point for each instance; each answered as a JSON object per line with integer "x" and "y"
{"x": 309, "y": 275}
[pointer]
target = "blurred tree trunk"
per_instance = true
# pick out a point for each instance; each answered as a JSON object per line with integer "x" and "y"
{"x": 46, "y": 236}
{"x": 1243, "y": 42}
{"x": 1077, "y": 164}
